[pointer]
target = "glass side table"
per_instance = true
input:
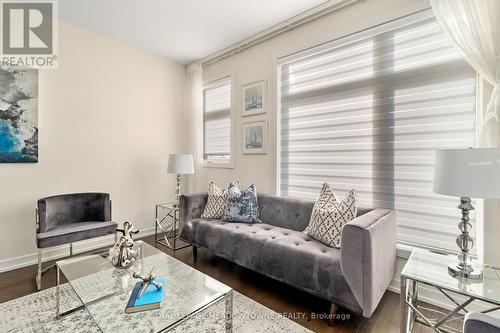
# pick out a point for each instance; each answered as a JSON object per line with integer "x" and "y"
{"x": 431, "y": 269}
{"x": 167, "y": 226}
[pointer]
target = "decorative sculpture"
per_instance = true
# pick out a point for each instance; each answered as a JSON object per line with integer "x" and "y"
{"x": 124, "y": 254}
{"x": 147, "y": 281}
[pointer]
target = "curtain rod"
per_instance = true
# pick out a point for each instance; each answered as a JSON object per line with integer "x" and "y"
{"x": 307, "y": 16}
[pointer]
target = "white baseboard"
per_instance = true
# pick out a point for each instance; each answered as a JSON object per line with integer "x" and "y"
{"x": 63, "y": 251}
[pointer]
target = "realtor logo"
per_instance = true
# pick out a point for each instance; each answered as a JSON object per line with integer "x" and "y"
{"x": 28, "y": 33}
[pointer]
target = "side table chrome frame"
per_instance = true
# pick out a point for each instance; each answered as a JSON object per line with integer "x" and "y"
{"x": 410, "y": 312}
{"x": 168, "y": 226}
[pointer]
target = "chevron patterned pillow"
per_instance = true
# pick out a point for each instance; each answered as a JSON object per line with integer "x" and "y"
{"x": 217, "y": 198}
{"x": 329, "y": 216}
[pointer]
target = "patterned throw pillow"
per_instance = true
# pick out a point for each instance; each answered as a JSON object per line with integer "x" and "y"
{"x": 241, "y": 206}
{"x": 327, "y": 198}
{"x": 217, "y": 198}
{"x": 329, "y": 217}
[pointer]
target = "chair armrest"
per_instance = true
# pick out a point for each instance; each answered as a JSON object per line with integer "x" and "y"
{"x": 191, "y": 206}
{"x": 368, "y": 256}
{"x": 476, "y": 322}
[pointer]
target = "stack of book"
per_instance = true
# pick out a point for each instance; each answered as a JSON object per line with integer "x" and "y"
{"x": 151, "y": 299}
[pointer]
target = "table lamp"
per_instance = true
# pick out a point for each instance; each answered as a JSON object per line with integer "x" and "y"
{"x": 467, "y": 173}
{"x": 180, "y": 164}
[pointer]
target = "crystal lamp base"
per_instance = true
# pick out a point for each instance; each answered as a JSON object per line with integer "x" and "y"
{"x": 469, "y": 272}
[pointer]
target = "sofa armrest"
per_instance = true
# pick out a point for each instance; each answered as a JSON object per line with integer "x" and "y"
{"x": 476, "y": 322}
{"x": 368, "y": 256}
{"x": 191, "y": 206}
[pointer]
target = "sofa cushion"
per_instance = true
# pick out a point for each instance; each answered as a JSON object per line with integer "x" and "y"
{"x": 327, "y": 221}
{"x": 74, "y": 232}
{"x": 217, "y": 197}
{"x": 286, "y": 255}
{"x": 241, "y": 206}
{"x": 291, "y": 213}
{"x": 327, "y": 198}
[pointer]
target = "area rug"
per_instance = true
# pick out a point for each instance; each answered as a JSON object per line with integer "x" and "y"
{"x": 36, "y": 313}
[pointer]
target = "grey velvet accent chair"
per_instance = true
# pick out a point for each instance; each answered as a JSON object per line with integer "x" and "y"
{"x": 354, "y": 277}
{"x": 476, "y": 322}
{"x": 69, "y": 218}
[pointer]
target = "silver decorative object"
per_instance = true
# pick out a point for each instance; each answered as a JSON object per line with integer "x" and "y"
{"x": 123, "y": 254}
{"x": 180, "y": 164}
{"x": 147, "y": 281}
{"x": 467, "y": 173}
{"x": 177, "y": 190}
{"x": 465, "y": 243}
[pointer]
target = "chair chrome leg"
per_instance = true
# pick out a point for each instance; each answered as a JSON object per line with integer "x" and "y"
{"x": 38, "y": 277}
{"x": 58, "y": 292}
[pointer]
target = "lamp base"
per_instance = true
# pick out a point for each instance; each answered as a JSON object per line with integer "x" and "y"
{"x": 469, "y": 272}
{"x": 177, "y": 191}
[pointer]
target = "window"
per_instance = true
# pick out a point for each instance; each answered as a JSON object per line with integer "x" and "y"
{"x": 368, "y": 112}
{"x": 217, "y": 121}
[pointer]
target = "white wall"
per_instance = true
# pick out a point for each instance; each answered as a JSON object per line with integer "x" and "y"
{"x": 259, "y": 63}
{"x": 108, "y": 118}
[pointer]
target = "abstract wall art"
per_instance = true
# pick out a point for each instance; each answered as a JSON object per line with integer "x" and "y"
{"x": 18, "y": 115}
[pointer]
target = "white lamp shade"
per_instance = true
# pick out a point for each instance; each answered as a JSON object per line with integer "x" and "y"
{"x": 473, "y": 173}
{"x": 180, "y": 164}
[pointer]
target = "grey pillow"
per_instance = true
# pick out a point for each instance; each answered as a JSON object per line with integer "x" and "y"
{"x": 241, "y": 206}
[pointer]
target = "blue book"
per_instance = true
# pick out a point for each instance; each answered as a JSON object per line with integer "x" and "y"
{"x": 151, "y": 299}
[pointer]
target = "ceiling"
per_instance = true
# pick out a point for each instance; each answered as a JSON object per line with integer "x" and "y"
{"x": 181, "y": 30}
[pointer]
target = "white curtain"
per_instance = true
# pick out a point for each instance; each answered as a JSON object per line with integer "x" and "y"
{"x": 194, "y": 105}
{"x": 474, "y": 28}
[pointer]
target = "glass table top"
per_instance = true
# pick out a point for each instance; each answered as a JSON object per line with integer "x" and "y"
{"x": 168, "y": 205}
{"x": 104, "y": 290}
{"x": 432, "y": 268}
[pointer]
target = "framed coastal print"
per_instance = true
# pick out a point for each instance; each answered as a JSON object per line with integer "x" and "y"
{"x": 255, "y": 137}
{"x": 254, "y": 98}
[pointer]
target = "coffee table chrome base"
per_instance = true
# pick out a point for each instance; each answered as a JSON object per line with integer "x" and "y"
{"x": 469, "y": 272}
{"x": 228, "y": 320}
{"x": 60, "y": 314}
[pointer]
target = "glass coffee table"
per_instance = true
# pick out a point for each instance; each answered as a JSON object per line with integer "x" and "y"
{"x": 103, "y": 290}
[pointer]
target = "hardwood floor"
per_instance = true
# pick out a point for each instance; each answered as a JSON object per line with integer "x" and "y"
{"x": 302, "y": 307}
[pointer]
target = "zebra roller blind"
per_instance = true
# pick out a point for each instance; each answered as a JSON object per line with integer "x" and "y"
{"x": 217, "y": 120}
{"x": 368, "y": 112}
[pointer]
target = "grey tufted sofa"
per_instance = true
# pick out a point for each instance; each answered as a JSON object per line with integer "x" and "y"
{"x": 354, "y": 277}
